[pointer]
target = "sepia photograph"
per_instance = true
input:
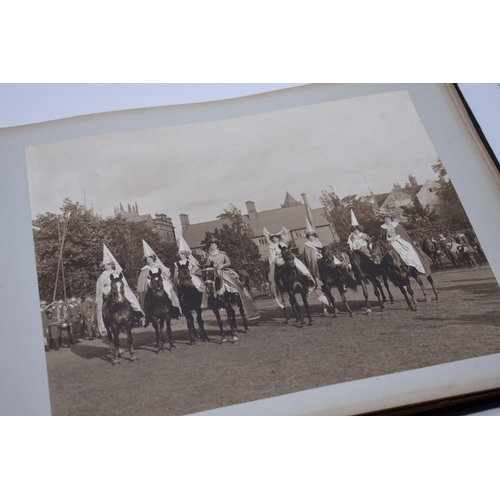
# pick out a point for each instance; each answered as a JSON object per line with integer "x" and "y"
{"x": 191, "y": 267}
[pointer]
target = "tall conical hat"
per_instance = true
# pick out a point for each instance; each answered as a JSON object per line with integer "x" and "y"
{"x": 183, "y": 246}
{"x": 309, "y": 228}
{"x": 107, "y": 256}
{"x": 148, "y": 251}
{"x": 354, "y": 221}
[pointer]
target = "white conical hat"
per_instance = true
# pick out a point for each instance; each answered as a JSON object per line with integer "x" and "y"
{"x": 148, "y": 251}
{"x": 354, "y": 221}
{"x": 107, "y": 256}
{"x": 183, "y": 246}
{"x": 309, "y": 228}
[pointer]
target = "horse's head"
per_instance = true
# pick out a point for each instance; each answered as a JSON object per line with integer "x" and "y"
{"x": 209, "y": 275}
{"x": 377, "y": 250}
{"x": 184, "y": 274}
{"x": 117, "y": 288}
{"x": 155, "y": 281}
{"x": 287, "y": 255}
{"x": 328, "y": 257}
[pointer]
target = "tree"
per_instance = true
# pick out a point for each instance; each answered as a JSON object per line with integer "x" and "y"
{"x": 417, "y": 215}
{"x": 82, "y": 253}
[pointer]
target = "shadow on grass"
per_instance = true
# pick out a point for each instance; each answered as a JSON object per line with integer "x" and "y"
{"x": 490, "y": 318}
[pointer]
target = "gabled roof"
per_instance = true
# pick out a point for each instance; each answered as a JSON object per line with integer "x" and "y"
{"x": 290, "y": 201}
{"x": 293, "y": 218}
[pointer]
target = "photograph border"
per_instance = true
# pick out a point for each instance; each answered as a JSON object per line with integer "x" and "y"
{"x": 450, "y": 130}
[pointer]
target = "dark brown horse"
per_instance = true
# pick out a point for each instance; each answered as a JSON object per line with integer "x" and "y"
{"x": 159, "y": 309}
{"x": 190, "y": 299}
{"x": 333, "y": 275}
{"x": 218, "y": 298}
{"x": 365, "y": 269}
{"x": 291, "y": 282}
{"x": 117, "y": 314}
{"x": 398, "y": 272}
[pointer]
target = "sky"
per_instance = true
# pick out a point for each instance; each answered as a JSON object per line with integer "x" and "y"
{"x": 200, "y": 169}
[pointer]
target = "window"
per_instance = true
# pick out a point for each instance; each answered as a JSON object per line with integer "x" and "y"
{"x": 262, "y": 241}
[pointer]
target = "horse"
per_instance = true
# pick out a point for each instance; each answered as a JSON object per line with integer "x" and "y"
{"x": 117, "y": 314}
{"x": 385, "y": 256}
{"x": 364, "y": 268}
{"x": 431, "y": 249}
{"x": 219, "y": 297}
{"x": 190, "y": 299}
{"x": 290, "y": 281}
{"x": 333, "y": 275}
{"x": 159, "y": 309}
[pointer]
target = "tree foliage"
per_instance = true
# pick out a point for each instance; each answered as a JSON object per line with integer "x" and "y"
{"x": 82, "y": 252}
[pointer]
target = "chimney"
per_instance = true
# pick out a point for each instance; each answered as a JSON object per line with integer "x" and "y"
{"x": 308, "y": 208}
{"x": 252, "y": 212}
{"x": 413, "y": 180}
{"x": 184, "y": 221}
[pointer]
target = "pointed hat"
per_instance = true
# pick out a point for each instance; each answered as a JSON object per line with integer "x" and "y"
{"x": 183, "y": 246}
{"x": 107, "y": 256}
{"x": 309, "y": 228}
{"x": 148, "y": 251}
{"x": 354, "y": 221}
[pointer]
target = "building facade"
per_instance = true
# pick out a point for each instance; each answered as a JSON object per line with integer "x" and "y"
{"x": 291, "y": 214}
{"x": 160, "y": 224}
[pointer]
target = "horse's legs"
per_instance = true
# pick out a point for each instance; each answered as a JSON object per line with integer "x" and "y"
{"x": 412, "y": 295}
{"x": 231, "y": 319}
{"x": 284, "y": 309}
{"x": 296, "y": 308}
{"x": 306, "y": 306}
{"x": 219, "y": 322}
{"x": 201, "y": 325}
{"x": 328, "y": 294}
{"x": 430, "y": 279}
{"x": 344, "y": 299}
{"x": 115, "y": 348}
{"x": 403, "y": 291}
{"x": 243, "y": 315}
{"x": 168, "y": 319}
{"x": 365, "y": 295}
{"x": 133, "y": 357}
{"x": 376, "y": 286}
{"x": 417, "y": 278}
{"x": 386, "y": 284}
{"x": 191, "y": 327}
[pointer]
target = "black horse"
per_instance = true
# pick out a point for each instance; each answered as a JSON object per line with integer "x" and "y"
{"x": 432, "y": 250}
{"x": 218, "y": 300}
{"x": 333, "y": 275}
{"x": 290, "y": 281}
{"x": 364, "y": 268}
{"x": 117, "y": 313}
{"x": 398, "y": 272}
{"x": 159, "y": 309}
{"x": 190, "y": 299}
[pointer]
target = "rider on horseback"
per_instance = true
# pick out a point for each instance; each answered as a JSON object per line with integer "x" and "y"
{"x": 229, "y": 279}
{"x": 187, "y": 257}
{"x": 103, "y": 287}
{"x": 394, "y": 234}
{"x": 153, "y": 263}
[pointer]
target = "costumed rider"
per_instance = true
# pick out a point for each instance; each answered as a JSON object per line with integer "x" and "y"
{"x": 277, "y": 242}
{"x": 358, "y": 240}
{"x": 187, "y": 257}
{"x": 230, "y": 280}
{"x": 394, "y": 234}
{"x": 153, "y": 264}
{"x": 103, "y": 288}
{"x": 312, "y": 254}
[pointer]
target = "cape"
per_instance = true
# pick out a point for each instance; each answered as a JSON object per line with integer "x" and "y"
{"x": 400, "y": 230}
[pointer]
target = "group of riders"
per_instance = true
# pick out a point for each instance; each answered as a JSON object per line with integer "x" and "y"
{"x": 392, "y": 233}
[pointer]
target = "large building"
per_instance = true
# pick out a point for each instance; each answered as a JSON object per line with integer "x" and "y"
{"x": 291, "y": 214}
{"x": 160, "y": 224}
{"x": 401, "y": 197}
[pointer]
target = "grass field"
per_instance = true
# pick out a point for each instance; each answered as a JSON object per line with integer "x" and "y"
{"x": 274, "y": 358}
